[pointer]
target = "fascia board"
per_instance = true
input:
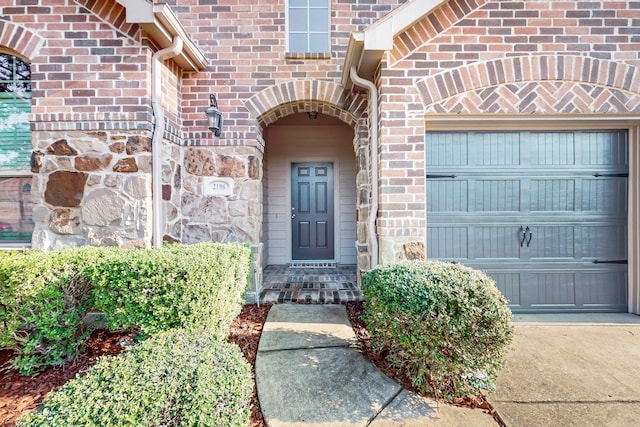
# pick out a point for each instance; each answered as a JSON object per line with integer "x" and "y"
{"x": 380, "y": 34}
{"x": 162, "y": 25}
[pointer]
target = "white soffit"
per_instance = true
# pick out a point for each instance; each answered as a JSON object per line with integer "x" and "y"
{"x": 162, "y": 25}
{"x": 366, "y": 48}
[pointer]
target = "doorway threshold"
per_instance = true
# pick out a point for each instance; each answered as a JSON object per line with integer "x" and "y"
{"x": 313, "y": 264}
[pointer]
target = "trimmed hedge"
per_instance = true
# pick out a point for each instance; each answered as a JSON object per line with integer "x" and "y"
{"x": 190, "y": 286}
{"x": 44, "y": 296}
{"x": 175, "y": 378}
{"x": 446, "y": 325}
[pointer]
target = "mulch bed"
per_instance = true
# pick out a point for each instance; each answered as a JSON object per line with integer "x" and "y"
{"x": 245, "y": 331}
{"x": 19, "y": 394}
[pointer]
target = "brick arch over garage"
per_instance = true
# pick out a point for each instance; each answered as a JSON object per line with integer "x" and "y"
{"x": 537, "y": 84}
{"x": 297, "y": 96}
{"x": 19, "y": 39}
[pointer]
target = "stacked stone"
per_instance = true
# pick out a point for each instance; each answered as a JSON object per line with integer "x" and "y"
{"x": 91, "y": 188}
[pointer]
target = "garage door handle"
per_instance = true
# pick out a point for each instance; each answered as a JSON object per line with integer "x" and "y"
{"x": 530, "y": 235}
{"x": 524, "y": 235}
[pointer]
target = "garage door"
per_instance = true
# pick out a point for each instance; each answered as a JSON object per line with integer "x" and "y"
{"x": 543, "y": 213}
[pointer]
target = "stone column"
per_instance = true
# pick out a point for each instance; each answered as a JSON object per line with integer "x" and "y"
{"x": 363, "y": 198}
{"x": 222, "y": 198}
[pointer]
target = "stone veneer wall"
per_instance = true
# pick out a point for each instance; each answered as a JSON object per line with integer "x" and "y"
{"x": 222, "y": 194}
{"x": 91, "y": 187}
{"x": 214, "y": 194}
{"x": 362, "y": 149}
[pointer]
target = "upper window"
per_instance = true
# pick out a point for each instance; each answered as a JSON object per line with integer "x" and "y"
{"x": 308, "y": 26}
{"x": 16, "y": 224}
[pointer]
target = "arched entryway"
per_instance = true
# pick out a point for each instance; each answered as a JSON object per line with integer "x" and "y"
{"x": 309, "y": 221}
{"x": 314, "y": 184}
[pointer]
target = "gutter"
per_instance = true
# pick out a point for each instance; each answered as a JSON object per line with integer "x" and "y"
{"x": 158, "y": 133}
{"x": 373, "y": 209}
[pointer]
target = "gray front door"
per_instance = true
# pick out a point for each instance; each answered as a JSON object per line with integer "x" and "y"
{"x": 544, "y": 213}
{"x": 312, "y": 211}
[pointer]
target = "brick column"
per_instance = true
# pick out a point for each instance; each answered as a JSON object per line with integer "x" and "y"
{"x": 401, "y": 223}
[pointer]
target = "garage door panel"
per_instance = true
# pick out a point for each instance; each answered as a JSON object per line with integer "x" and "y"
{"x": 448, "y": 242}
{"x": 550, "y": 148}
{"x": 555, "y": 241}
{"x": 553, "y": 195}
{"x": 508, "y": 282}
{"x": 551, "y": 289}
{"x": 604, "y": 242}
{"x": 495, "y": 242}
{"x": 603, "y": 288}
{"x": 450, "y": 149}
{"x": 605, "y": 196}
{"x": 604, "y": 148}
{"x": 447, "y": 196}
{"x": 494, "y": 149}
{"x": 473, "y": 194}
{"x": 496, "y": 195}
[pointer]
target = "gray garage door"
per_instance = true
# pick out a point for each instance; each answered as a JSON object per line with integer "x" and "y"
{"x": 543, "y": 213}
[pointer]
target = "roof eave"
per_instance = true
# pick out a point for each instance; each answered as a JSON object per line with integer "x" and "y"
{"x": 366, "y": 48}
{"x": 162, "y": 26}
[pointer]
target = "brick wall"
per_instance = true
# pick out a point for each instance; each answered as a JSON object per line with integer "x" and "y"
{"x": 246, "y": 43}
{"x": 90, "y": 61}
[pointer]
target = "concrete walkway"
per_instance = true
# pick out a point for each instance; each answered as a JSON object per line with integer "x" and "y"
{"x": 571, "y": 370}
{"x": 309, "y": 372}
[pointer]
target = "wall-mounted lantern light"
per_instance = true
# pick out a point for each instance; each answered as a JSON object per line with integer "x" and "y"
{"x": 214, "y": 116}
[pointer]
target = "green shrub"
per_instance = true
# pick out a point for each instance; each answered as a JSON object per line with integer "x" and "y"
{"x": 22, "y": 274}
{"x": 446, "y": 324}
{"x": 44, "y": 296}
{"x": 43, "y": 299}
{"x": 176, "y": 378}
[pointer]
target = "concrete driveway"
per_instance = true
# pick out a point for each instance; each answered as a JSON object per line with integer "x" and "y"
{"x": 571, "y": 370}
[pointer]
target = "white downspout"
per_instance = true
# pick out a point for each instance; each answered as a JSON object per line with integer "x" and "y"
{"x": 158, "y": 134}
{"x": 373, "y": 211}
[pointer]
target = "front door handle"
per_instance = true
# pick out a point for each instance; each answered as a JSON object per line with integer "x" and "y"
{"x": 293, "y": 216}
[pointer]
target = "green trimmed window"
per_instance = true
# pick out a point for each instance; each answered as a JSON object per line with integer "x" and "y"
{"x": 16, "y": 223}
{"x": 308, "y": 26}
